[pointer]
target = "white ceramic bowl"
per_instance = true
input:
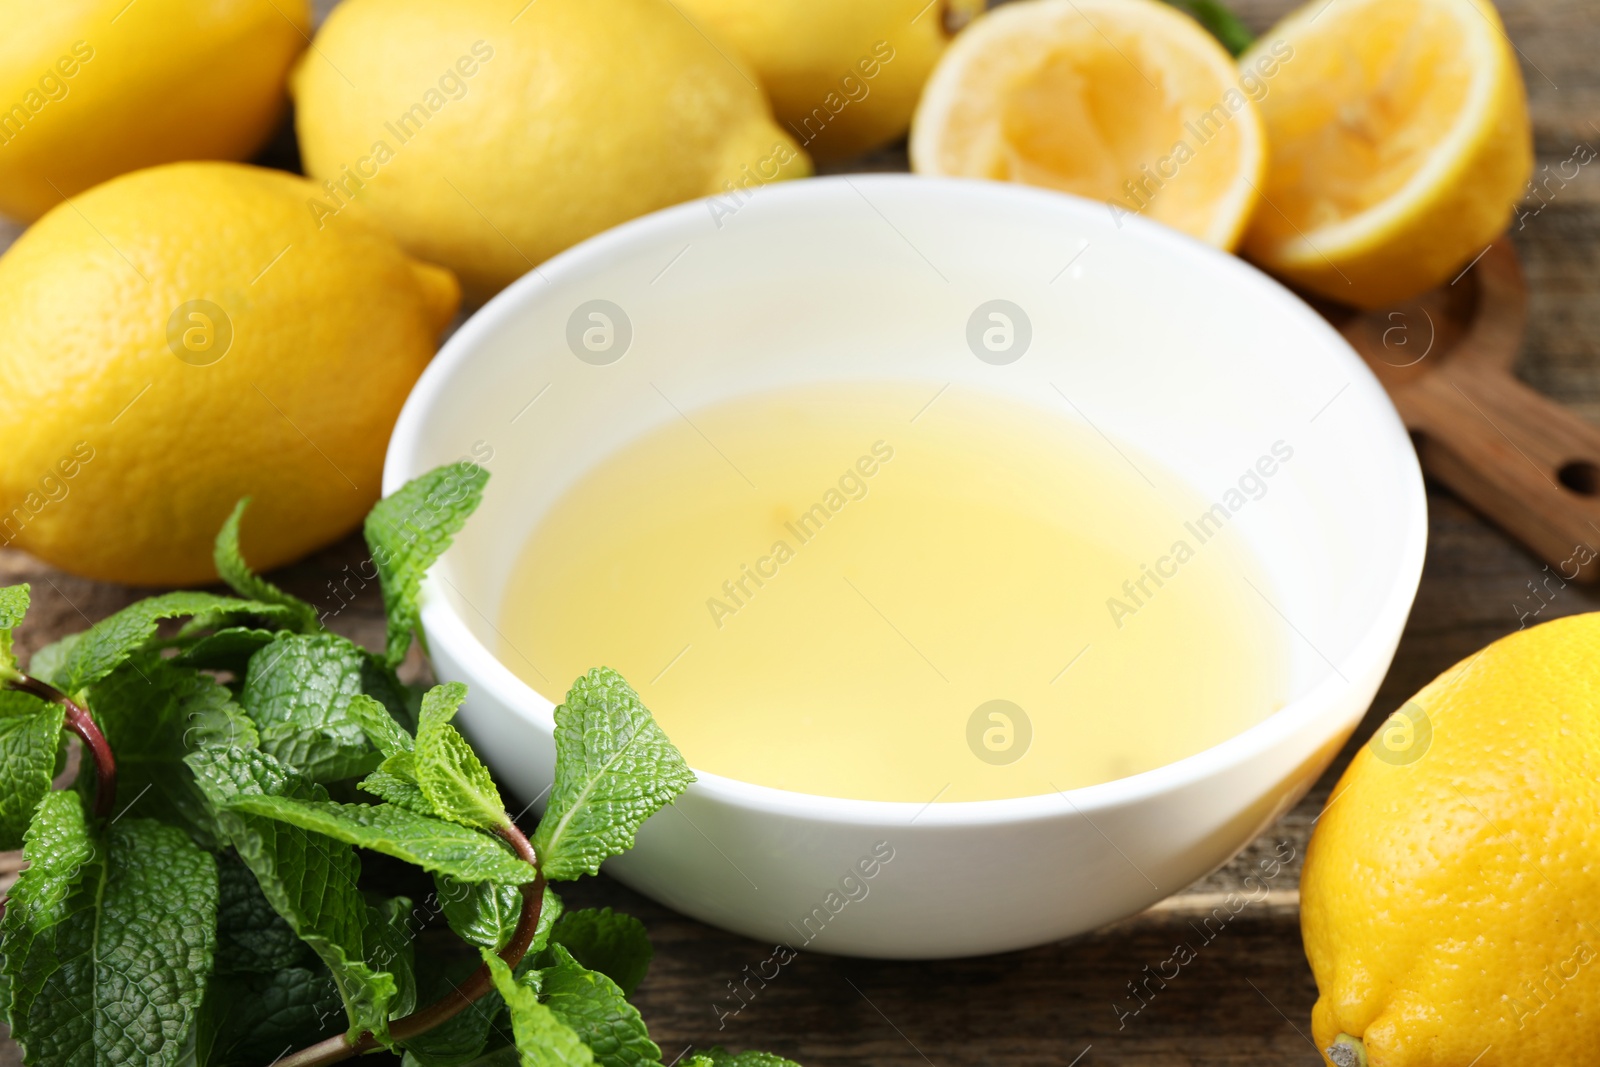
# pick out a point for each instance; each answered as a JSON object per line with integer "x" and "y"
{"x": 1192, "y": 355}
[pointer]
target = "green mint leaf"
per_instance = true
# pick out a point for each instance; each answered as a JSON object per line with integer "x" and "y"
{"x": 252, "y": 1019}
{"x": 721, "y": 1057}
{"x": 607, "y": 941}
{"x": 449, "y": 773}
{"x": 309, "y": 878}
{"x": 298, "y": 691}
{"x": 1219, "y": 21}
{"x": 229, "y": 649}
{"x": 30, "y": 736}
{"x": 485, "y": 914}
{"x": 399, "y": 789}
{"x": 550, "y": 912}
{"x": 112, "y": 640}
{"x": 389, "y": 947}
{"x": 376, "y": 721}
{"x": 153, "y": 713}
{"x": 432, "y": 844}
{"x": 252, "y": 938}
{"x": 408, "y": 530}
{"x": 58, "y": 850}
{"x": 108, "y": 945}
{"x": 49, "y": 664}
{"x": 542, "y": 1039}
{"x": 597, "y": 1011}
{"x": 233, "y": 570}
{"x": 215, "y": 720}
{"x": 13, "y": 606}
{"x": 395, "y": 780}
{"x": 614, "y": 769}
{"x": 402, "y": 765}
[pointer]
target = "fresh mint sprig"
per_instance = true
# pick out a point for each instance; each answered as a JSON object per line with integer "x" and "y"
{"x": 614, "y": 769}
{"x": 408, "y": 531}
{"x": 197, "y": 897}
{"x": 451, "y": 778}
{"x": 234, "y": 571}
{"x": 109, "y": 938}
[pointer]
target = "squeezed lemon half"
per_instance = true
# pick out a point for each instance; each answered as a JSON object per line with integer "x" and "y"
{"x": 1126, "y": 101}
{"x": 1398, "y": 144}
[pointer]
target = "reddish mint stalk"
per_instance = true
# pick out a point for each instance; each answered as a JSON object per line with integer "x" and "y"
{"x": 337, "y": 1048}
{"x": 80, "y": 722}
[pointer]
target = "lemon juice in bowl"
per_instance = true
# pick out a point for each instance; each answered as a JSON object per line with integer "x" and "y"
{"x": 849, "y": 591}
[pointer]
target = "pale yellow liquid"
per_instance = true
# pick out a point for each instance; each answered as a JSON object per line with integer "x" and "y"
{"x": 975, "y": 563}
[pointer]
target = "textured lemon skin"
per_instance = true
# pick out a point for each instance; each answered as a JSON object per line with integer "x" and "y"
{"x": 331, "y": 327}
{"x": 576, "y": 116}
{"x": 152, "y": 82}
{"x": 1466, "y": 208}
{"x": 804, "y": 50}
{"x": 1447, "y": 903}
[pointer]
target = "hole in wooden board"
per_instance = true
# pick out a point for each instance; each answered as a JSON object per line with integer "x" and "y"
{"x": 1580, "y": 476}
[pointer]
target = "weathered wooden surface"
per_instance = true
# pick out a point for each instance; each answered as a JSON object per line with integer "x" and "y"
{"x": 1246, "y": 998}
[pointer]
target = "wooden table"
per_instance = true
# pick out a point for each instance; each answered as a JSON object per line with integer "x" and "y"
{"x": 1246, "y": 999}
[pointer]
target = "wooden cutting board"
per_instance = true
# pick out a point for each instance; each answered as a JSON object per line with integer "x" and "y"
{"x": 1522, "y": 459}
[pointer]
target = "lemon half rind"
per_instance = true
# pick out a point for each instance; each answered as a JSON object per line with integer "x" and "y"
{"x": 1445, "y": 214}
{"x": 1025, "y": 27}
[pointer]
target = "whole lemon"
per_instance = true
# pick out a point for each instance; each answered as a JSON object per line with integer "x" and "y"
{"x": 491, "y": 134}
{"x": 844, "y": 75}
{"x": 183, "y": 336}
{"x": 90, "y": 89}
{"x": 1449, "y": 891}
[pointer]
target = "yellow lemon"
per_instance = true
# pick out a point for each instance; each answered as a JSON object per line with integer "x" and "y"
{"x": 183, "y": 336}
{"x": 844, "y": 75}
{"x": 491, "y": 134}
{"x": 1126, "y": 101}
{"x": 90, "y": 89}
{"x": 1448, "y": 895}
{"x": 1399, "y": 144}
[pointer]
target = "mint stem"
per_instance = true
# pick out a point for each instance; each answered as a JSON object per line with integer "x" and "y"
{"x": 335, "y": 1049}
{"x": 80, "y": 722}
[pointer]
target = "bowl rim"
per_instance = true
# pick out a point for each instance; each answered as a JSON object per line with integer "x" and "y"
{"x": 446, "y": 629}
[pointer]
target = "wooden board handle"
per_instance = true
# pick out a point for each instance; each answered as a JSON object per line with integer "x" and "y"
{"x": 1519, "y": 457}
